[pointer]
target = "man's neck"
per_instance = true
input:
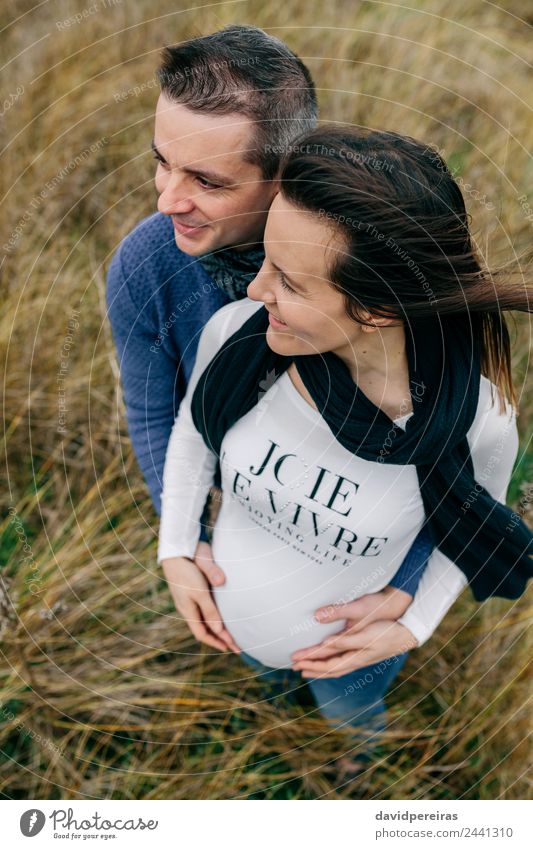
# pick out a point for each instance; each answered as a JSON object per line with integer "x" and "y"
{"x": 254, "y": 246}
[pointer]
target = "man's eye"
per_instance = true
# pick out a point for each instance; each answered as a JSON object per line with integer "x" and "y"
{"x": 206, "y": 184}
{"x": 160, "y": 161}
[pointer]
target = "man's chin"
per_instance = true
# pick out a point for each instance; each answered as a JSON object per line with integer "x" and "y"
{"x": 192, "y": 247}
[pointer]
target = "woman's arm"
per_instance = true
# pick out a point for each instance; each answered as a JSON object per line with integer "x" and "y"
{"x": 494, "y": 448}
{"x": 187, "y": 476}
{"x": 189, "y": 464}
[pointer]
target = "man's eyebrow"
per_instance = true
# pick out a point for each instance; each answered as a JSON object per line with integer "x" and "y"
{"x": 210, "y": 176}
{"x": 288, "y": 277}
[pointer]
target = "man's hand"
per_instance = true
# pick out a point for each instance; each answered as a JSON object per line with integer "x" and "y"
{"x": 364, "y": 637}
{"x": 388, "y": 603}
{"x": 351, "y": 650}
{"x": 192, "y": 596}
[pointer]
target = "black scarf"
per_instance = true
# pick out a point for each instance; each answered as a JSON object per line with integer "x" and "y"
{"x": 233, "y": 270}
{"x": 485, "y": 539}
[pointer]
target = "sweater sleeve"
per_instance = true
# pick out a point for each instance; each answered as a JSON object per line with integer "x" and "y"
{"x": 494, "y": 448}
{"x": 190, "y": 465}
{"x": 408, "y": 576}
{"x": 152, "y": 384}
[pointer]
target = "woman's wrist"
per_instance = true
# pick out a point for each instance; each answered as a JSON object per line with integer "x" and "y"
{"x": 174, "y": 562}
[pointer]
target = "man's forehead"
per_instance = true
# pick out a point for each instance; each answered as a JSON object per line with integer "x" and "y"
{"x": 186, "y": 134}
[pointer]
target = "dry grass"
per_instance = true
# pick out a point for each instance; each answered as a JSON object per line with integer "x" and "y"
{"x": 94, "y": 661}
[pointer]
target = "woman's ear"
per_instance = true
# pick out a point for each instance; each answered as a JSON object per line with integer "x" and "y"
{"x": 375, "y": 321}
{"x": 273, "y": 188}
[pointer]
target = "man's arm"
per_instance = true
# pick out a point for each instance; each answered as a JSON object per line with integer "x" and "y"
{"x": 408, "y": 576}
{"x": 152, "y": 384}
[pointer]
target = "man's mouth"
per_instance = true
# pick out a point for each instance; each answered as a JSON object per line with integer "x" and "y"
{"x": 186, "y": 228}
{"x": 276, "y": 323}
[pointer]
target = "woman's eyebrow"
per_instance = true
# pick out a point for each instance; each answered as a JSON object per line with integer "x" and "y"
{"x": 210, "y": 176}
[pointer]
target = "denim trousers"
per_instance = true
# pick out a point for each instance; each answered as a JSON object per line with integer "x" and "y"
{"x": 353, "y": 700}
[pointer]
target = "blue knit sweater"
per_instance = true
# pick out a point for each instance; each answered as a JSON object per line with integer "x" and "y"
{"x": 159, "y": 300}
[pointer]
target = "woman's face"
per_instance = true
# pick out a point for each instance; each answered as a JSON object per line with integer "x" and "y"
{"x": 293, "y": 284}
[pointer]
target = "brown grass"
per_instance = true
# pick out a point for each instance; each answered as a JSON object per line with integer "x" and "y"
{"x": 95, "y": 661}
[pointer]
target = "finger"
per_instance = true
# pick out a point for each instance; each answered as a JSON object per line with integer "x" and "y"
{"x": 204, "y": 560}
{"x": 201, "y": 633}
{"x": 338, "y": 665}
{"x": 334, "y": 664}
{"x": 213, "y": 620}
{"x": 347, "y": 639}
{"x": 226, "y": 636}
{"x": 325, "y": 652}
{"x": 352, "y": 641}
{"x": 315, "y": 653}
{"x": 209, "y": 611}
{"x": 311, "y": 650}
{"x": 203, "y": 636}
{"x": 330, "y": 613}
{"x": 356, "y": 612}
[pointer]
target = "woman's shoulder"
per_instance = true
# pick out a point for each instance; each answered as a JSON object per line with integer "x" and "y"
{"x": 492, "y": 424}
{"x": 227, "y": 320}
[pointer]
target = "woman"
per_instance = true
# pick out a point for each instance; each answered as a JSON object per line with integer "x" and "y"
{"x": 361, "y": 391}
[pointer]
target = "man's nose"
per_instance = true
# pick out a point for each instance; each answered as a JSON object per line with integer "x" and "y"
{"x": 175, "y": 198}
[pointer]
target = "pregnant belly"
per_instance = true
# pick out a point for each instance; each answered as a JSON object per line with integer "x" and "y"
{"x": 269, "y": 599}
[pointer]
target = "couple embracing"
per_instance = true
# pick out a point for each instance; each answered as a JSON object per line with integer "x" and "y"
{"x": 305, "y": 331}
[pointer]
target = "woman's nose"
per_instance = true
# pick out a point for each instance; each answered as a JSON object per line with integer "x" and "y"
{"x": 261, "y": 289}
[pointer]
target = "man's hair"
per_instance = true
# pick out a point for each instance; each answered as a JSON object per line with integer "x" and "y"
{"x": 243, "y": 69}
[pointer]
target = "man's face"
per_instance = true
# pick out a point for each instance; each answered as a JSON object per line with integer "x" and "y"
{"x": 213, "y": 196}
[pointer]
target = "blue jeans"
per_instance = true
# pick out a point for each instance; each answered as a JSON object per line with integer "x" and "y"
{"x": 355, "y": 699}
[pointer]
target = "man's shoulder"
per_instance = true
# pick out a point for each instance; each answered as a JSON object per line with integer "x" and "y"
{"x": 150, "y": 269}
{"x": 151, "y": 243}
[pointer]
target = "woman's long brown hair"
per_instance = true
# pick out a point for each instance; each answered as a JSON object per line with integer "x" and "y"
{"x": 408, "y": 249}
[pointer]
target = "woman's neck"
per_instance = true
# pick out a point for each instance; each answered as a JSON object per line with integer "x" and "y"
{"x": 377, "y": 362}
{"x": 381, "y": 352}
{"x": 381, "y": 373}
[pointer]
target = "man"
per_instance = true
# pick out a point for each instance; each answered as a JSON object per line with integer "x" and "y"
{"x": 230, "y": 104}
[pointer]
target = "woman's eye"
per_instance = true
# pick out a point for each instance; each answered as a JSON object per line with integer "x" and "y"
{"x": 160, "y": 161}
{"x": 284, "y": 283}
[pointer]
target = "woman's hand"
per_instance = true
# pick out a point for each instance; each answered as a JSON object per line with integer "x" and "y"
{"x": 192, "y": 596}
{"x": 372, "y": 645}
{"x": 353, "y": 649}
{"x": 203, "y": 558}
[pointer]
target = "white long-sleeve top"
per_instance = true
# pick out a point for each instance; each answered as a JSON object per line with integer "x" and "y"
{"x": 304, "y": 522}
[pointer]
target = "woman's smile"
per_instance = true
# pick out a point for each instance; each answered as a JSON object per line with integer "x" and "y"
{"x": 276, "y": 323}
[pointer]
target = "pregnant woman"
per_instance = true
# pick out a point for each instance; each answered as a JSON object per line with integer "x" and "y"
{"x": 361, "y": 391}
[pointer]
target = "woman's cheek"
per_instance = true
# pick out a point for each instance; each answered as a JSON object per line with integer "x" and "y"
{"x": 292, "y": 317}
